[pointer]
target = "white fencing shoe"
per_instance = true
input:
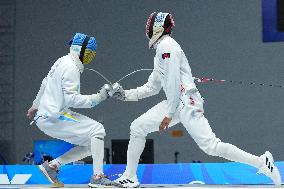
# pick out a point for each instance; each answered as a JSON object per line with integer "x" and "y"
{"x": 269, "y": 169}
{"x": 51, "y": 174}
{"x": 128, "y": 182}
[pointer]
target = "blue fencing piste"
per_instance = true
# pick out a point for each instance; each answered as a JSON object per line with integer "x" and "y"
{"x": 184, "y": 173}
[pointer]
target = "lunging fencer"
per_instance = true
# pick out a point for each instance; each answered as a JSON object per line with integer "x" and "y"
{"x": 59, "y": 91}
{"x": 183, "y": 104}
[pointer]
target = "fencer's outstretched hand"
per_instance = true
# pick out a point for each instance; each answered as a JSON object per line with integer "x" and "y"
{"x": 31, "y": 112}
{"x": 118, "y": 92}
{"x": 164, "y": 124}
{"x": 105, "y": 92}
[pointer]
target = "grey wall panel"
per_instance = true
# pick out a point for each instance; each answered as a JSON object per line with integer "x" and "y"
{"x": 221, "y": 38}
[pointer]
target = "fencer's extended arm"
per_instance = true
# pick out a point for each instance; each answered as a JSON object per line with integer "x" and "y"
{"x": 39, "y": 94}
{"x": 171, "y": 60}
{"x": 152, "y": 87}
{"x": 71, "y": 91}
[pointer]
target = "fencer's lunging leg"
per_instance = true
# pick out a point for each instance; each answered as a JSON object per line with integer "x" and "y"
{"x": 97, "y": 149}
{"x": 135, "y": 148}
{"x": 74, "y": 154}
{"x": 200, "y": 130}
{"x": 233, "y": 153}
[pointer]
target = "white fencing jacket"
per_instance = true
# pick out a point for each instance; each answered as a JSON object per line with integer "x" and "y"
{"x": 171, "y": 72}
{"x": 60, "y": 89}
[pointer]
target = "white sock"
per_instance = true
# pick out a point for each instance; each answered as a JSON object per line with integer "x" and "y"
{"x": 74, "y": 154}
{"x": 97, "y": 149}
{"x": 232, "y": 153}
{"x": 135, "y": 148}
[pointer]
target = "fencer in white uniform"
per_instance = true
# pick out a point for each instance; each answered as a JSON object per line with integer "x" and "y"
{"x": 59, "y": 91}
{"x": 183, "y": 104}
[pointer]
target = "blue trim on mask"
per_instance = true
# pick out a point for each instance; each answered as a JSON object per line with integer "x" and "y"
{"x": 78, "y": 39}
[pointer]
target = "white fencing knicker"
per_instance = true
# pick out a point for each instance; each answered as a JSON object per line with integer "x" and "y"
{"x": 71, "y": 127}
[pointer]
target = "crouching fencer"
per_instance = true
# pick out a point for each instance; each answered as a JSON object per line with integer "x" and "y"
{"x": 183, "y": 104}
{"x": 59, "y": 91}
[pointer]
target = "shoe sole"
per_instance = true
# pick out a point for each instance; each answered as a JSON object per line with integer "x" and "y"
{"x": 132, "y": 186}
{"x": 53, "y": 184}
{"x": 101, "y": 186}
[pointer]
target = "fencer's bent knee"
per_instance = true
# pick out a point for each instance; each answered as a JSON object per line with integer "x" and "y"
{"x": 136, "y": 129}
{"x": 98, "y": 131}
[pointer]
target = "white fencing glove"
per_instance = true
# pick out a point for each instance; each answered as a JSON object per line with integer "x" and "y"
{"x": 105, "y": 92}
{"x": 118, "y": 92}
